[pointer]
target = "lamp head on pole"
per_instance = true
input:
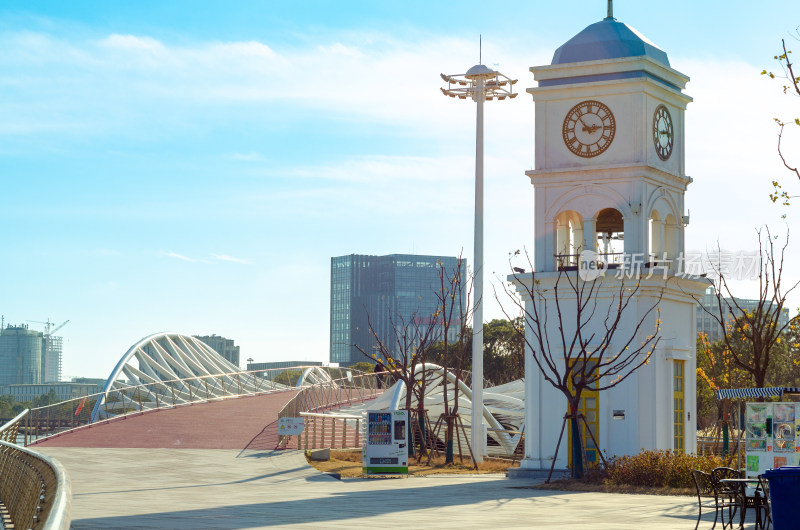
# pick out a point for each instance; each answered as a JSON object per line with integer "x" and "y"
{"x": 479, "y": 83}
{"x": 480, "y": 71}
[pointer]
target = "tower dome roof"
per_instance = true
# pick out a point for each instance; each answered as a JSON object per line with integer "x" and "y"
{"x": 607, "y": 39}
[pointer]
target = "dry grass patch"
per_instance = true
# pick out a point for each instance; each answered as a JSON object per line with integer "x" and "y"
{"x": 348, "y": 465}
{"x": 579, "y": 485}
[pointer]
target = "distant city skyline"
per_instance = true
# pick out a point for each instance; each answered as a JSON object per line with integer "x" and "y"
{"x": 192, "y": 167}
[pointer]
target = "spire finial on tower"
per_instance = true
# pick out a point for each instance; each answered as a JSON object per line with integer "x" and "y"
{"x": 610, "y": 9}
{"x": 480, "y": 48}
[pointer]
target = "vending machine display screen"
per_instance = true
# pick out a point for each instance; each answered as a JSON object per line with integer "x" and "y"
{"x": 380, "y": 428}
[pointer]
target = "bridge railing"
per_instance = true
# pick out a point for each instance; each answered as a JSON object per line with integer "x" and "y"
{"x": 123, "y": 400}
{"x": 323, "y": 430}
{"x": 34, "y": 489}
{"x": 10, "y": 429}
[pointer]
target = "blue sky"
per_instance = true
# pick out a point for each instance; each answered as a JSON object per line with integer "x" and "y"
{"x": 192, "y": 166}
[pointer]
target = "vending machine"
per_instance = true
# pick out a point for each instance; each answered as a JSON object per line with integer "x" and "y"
{"x": 772, "y": 435}
{"x": 385, "y": 435}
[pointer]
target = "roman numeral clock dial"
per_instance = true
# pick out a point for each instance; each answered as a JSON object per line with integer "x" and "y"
{"x": 663, "y": 132}
{"x": 589, "y": 128}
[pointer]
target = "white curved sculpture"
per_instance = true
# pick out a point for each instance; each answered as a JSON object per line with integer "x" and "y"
{"x": 315, "y": 375}
{"x": 503, "y": 406}
{"x": 173, "y": 368}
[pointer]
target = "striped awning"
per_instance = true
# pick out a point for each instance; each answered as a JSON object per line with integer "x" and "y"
{"x": 737, "y": 393}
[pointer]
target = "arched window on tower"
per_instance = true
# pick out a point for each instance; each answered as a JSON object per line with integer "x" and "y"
{"x": 610, "y": 229}
{"x": 656, "y": 239}
{"x": 663, "y": 240}
{"x": 671, "y": 228}
{"x": 568, "y": 239}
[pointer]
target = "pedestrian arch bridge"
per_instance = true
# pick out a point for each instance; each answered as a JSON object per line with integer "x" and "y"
{"x": 165, "y": 371}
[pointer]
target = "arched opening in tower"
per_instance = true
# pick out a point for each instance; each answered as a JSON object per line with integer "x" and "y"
{"x": 569, "y": 239}
{"x": 610, "y": 230}
{"x": 663, "y": 247}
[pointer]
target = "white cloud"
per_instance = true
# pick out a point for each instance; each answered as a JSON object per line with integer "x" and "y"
{"x": 214, "y": 258}
{"x": 125, "y": 81}
{"x": 175, "y": 255}
{"x": 132, "y": 43}
{"x": 231, "y": 259}
{"x": 388, "y": 170}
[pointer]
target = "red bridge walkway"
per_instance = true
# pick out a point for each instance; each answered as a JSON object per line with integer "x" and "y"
{"x": 249, "y": 422}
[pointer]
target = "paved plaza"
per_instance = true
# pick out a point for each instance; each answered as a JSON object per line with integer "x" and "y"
{"x": 215, "y": 488}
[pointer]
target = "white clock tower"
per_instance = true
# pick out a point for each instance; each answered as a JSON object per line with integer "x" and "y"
{"x": 609, "y": 177}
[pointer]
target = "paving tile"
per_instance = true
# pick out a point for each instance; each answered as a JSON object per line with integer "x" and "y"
{"x": 204, "y": 488}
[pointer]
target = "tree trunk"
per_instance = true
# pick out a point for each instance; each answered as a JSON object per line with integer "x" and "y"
{"x": 577, "y": 444}
{"x": 423, "y": 442}
{"x": 448, "y": 458}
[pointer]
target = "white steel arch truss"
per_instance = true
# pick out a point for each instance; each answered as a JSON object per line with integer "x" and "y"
{"x": 176, "y": 369}
{"x": 315, "y": 375}
{"x": 503, "y": 406}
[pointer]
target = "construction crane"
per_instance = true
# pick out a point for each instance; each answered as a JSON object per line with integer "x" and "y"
{"x": 48, "y": 332}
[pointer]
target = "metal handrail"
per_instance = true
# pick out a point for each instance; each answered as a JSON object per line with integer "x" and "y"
{"x": 10, "y": 429}
{"x": 34, "y": 488}
{"x": 327, "y": 395}
{"x": 314, "y": 397}
{"x": 41, "y": 422}
{"x": 328, "y": 416}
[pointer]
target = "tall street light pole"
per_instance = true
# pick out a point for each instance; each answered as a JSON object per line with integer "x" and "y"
{"x": 480, "y": 83}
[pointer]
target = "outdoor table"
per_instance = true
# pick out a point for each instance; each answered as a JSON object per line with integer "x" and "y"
{"x": 741, "y": 487}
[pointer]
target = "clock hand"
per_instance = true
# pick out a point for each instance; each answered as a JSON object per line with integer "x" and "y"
{"x": 588, "y": 128}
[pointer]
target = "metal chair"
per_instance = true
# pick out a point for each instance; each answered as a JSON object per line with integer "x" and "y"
{"x": 756, "y": 501}
{"x": 726, "y": 495}
{"x": 763, "y": 486}
{"x": 705, "y": 488}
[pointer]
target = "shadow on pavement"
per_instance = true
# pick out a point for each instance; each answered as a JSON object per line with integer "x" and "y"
{"x": 337, "y": 506}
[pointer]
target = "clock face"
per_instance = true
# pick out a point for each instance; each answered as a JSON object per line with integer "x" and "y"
{"x": 663, "y": 132}
{"x": 589, "y": 128}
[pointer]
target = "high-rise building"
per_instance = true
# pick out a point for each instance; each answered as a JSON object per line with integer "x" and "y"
{"x": 222, "y": 346}
{"x": 708, "y": 302}
{"x": 20, "y": 355}
{"x": 52, "y": 349}
{"x": 384, "y": 293}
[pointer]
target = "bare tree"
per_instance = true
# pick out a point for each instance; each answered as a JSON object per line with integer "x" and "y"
{"x": 791, "y": 86}
{"x": 757, "y": 325}
{"x": 413, "y": 338}
{"x": 405, "y": 353}
{"x": 454, "y": 297}
{"x": 574, "y": 353}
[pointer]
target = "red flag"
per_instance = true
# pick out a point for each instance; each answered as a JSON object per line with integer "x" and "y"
{"x": 80, "y": 406}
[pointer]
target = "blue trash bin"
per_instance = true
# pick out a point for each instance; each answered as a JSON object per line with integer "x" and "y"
{"x": 784, "y": 492}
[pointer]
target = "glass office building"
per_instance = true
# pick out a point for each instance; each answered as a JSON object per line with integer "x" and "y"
{"x": 385, "y": 294}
